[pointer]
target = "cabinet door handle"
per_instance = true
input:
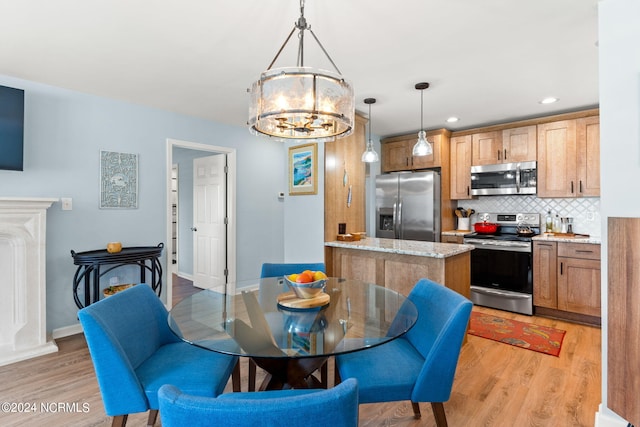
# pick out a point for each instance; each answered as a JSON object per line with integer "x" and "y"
{"x": 407, "y": 161}
{"x": 544, "y": 244}
{"x": 498, "y": 154}
{"x": 582, "y": 251}
{"x": 580, "y": 186}
{"x": 561, "y": 267}
{"x": 571, "y": 187}
{"x": 505, "y": 154}
{"x": 467, "y": 190}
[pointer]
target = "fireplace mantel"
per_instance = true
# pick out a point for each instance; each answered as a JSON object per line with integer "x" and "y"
{"x": 23, "y": 315}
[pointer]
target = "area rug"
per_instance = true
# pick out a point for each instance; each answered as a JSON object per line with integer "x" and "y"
{"x": 542, "y": 339}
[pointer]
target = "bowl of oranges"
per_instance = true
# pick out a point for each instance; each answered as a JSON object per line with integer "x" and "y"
{"x": 307, "y": 284}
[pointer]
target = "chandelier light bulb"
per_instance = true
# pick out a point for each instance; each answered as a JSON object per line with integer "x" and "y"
{"x": 422, "y": 147}
{"x": 370, "y": 155}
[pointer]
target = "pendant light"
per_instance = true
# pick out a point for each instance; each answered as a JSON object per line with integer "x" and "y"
{"x": 301, "y": 102}
{"x": 422, "y": 147}
{"x": 370, "y": 155}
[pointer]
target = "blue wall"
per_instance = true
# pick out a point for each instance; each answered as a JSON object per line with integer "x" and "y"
{"x": 64, "y": 133}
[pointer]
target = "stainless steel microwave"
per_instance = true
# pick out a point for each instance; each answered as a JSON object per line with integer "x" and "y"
{"x": 504, "y": 178}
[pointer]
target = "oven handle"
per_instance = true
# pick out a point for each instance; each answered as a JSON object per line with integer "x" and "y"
{"x": 518, "y": 177}
{"x": 510, "y": 294}
{"x": 490, "y": 247}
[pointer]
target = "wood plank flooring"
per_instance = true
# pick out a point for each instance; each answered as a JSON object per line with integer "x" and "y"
{"x": 496, "y": 385}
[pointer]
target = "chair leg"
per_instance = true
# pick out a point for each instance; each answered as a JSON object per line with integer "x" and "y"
{"x": 416, "y": 410}
{"x": 336, "y": 376}
{"x": 153, "y": 416}
{"x": 119, "y": 421}
{"x": 438, "y": 413}
{"x": 235, "y": 377}
{"x": 252, "y": 375}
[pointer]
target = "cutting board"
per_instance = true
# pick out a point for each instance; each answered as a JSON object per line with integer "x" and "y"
{"x": 291, "y": 300}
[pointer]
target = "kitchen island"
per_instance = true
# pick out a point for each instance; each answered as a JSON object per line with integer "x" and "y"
{"x": 399, "y": 264}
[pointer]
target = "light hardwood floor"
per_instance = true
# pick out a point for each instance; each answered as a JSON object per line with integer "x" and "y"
{"x": 496, "y": 385}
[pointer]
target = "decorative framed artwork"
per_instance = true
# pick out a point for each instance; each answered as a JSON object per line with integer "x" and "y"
{"x": 303, "y": 169}
{"x": 118, "y": 180}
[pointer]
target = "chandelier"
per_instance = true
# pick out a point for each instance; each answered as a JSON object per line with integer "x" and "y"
{"x": 301, "y": 102}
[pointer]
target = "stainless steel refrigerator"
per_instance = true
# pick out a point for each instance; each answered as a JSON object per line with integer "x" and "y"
{"x": 408, "y": 206}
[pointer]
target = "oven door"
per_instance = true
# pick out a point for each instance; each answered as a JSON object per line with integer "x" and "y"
{"x": 502, "y": 279}
{"x": 502, "y": 269}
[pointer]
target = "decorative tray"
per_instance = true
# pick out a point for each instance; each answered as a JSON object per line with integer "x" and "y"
{"x": 290, "y": 300}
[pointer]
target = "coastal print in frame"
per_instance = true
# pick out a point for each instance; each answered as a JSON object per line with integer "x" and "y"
{"x": 118, "y": 180}
{"x": 303, "y": 169}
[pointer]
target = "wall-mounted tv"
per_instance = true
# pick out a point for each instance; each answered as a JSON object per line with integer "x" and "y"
{"x": 11, "y": 128}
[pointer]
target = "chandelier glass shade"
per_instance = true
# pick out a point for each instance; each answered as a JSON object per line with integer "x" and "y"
{"x": 301, "y": 102}
{"x": 422, "y": 146}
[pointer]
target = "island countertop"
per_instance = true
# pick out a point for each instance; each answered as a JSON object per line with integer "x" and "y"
{"x": 404, "y": 247}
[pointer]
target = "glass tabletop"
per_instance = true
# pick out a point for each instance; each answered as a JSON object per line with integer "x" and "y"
{"x": 253, "y": 323}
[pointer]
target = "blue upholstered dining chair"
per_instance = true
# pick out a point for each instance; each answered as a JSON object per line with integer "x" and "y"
{"x": 420, "y": 365}
{"x": 134, "y": 353}
{"x": 275, "y": 270}
{"x": 335, "y": 407}
{"x": 279, "y": 270}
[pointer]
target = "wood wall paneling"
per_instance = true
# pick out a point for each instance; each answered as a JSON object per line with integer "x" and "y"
{"x": 623, "y": 352}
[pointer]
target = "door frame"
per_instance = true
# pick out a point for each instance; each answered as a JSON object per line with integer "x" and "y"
{"x": 231, "y": 206}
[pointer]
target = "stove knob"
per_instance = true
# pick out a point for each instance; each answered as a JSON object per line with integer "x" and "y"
{"x": 520, "y": 217}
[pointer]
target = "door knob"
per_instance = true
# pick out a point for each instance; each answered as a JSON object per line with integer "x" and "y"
{"x": 194, "y": 229}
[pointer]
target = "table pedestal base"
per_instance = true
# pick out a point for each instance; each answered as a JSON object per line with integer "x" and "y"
{"x": 290, "y": 373}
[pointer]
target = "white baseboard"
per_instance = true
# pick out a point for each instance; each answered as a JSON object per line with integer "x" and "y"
{"x": 185, "y": 275}
{"x": 606, "y": 418}
{"x": 66, "y": 331}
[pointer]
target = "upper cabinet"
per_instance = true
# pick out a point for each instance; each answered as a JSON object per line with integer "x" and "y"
{"x": 505, "y": 146}
{"x": 569, "y": 158}
{"x": 397, "y": 156}
{"x": 460, "y": 167}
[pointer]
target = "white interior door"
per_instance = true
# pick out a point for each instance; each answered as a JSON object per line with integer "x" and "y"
{"x": 209, "y": 228}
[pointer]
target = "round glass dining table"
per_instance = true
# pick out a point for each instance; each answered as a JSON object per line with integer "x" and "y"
{"x": 291, "y": 343}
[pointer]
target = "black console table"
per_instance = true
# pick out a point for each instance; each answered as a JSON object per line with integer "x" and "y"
{"x": 89, "y": 263}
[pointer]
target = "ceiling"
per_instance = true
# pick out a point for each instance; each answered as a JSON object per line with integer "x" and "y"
{"x": 487, "y": 61}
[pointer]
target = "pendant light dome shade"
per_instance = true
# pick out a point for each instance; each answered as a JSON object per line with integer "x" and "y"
{"x": 301, "y": 102}
{"x": 422, "y": 146}
{"x": 370, "y": 155}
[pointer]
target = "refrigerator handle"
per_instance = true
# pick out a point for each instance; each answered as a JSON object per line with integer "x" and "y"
{"x": 395, "y": 220}
{"x": 398, "y": 224}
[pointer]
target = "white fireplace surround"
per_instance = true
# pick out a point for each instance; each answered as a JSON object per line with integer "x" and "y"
{"x": 23, "y": 317}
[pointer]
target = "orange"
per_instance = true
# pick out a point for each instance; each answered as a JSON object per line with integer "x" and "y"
{"x": 304, "y": 277}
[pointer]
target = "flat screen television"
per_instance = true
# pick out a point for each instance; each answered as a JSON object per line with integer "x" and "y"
{"x": 11, "y": 128}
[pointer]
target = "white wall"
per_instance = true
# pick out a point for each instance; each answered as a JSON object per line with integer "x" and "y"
{"x": 619, "y": 59}
{"x": 64, "y": 132}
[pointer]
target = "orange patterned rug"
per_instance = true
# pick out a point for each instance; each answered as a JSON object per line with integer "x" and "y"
{"x": 542, "y": 339}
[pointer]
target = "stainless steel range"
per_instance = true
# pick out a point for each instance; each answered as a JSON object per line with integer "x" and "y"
{"x": 502, "y": 262}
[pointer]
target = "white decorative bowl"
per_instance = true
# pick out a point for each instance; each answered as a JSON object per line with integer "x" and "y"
{"x": 306, "y": 290}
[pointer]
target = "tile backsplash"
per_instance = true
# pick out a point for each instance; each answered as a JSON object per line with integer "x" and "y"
{"x": 585, "y": 211}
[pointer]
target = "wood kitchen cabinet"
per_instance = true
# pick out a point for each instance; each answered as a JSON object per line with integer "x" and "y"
{"x": 452, "y": 239}
{"x": 460, "y": 147}
{"x": 569, "y": 158}
{"x": 397, "y": 152}
{"x": 340, "y": 155}
{"x": 566, "y": 280}
{"x": 505, "y": 146}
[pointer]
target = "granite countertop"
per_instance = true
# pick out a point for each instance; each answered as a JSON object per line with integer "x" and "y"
{"x": 404, "y": 247}
{"x": 577, "y": 239}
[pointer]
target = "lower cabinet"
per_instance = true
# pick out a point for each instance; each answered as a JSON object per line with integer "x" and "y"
{"x": 566, "y": 280}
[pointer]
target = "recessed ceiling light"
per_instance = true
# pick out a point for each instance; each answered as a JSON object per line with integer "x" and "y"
{"x": 452, "y": 119}
{"x": 549, "y": 100}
